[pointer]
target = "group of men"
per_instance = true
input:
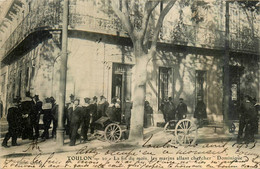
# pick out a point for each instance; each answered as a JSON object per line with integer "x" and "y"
{"x": 23, "y": 119}
{"x": 85, "y": 115}
{"x": 170, "y": 112}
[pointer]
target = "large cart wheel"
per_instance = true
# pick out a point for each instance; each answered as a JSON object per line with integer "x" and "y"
{"x": 170, "y": 126}
{"x": 186, "y": 132}
{"x": 113, "y": 132}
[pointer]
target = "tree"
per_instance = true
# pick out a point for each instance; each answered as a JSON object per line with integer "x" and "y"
{"x": 136, "y": 17}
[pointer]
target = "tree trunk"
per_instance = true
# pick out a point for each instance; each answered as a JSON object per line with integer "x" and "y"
{"x": 139, "y": 74}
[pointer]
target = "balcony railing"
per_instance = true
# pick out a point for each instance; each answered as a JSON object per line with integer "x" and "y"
{"x": 48, "y": 16}
{"x": 44, "y": 16}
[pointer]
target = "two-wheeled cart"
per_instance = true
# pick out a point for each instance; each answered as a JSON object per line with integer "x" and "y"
{"x": 185, "y": 131}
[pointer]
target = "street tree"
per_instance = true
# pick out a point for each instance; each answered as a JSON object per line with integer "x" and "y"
{"x": 142, "y": 21}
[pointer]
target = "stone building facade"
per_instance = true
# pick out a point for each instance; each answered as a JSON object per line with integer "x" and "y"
{"x": 188, "y": 63}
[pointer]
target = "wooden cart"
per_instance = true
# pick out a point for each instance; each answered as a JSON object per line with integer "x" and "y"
{"x": 185, "y": 131}
{"x": 109, "y": 130}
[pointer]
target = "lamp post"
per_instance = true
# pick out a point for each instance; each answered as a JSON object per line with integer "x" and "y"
{"x": 63, "y": 75}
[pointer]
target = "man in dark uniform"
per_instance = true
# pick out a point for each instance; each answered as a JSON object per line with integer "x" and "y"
{"x": 102, "y": 107}
{"x": 85, "y": 119}
{"x": 54, "y": 116}
{"x": 181, "y": 110}
{"x": 14, "y": 123}
{"x": 200, "y": 111}
{"x": 75, "y": 114}
{"x": 37, "y": 109}
{"x": 27, "y": 114}
{"x": 93, "y": 114}
{"x": 247, "y": 117}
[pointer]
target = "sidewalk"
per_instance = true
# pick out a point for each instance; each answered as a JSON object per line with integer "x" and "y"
{"x": 157, "y": 135}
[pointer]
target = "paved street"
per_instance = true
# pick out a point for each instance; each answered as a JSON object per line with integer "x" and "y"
{"x": 211, "y": 146}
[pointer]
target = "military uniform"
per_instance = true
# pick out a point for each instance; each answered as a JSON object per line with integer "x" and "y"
{"x": 14, "y": 121}
{"x": 28, "y": 117}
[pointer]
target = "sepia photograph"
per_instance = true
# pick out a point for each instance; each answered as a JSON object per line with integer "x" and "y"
{"x": 129, "y": 84}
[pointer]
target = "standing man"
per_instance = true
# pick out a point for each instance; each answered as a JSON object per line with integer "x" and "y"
{"x": 14, "y": 123}
{"x": 246, "y": 120}
{"x": 27, "y": 114}
{"x": 181, "y": 110}
{"x": 93, "y": 111}
{"x": 128, "y": 108}
{"x": 85, "y": 119}
{"x": 102, "y": 107}
{"x": 37, "y": 109}
{"x": 200, "y": 111}
{"x": 75, "y": 114}
{"x": 54, "y": 116}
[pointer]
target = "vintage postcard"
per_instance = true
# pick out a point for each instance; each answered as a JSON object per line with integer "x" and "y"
{"x": 129, "y": 84}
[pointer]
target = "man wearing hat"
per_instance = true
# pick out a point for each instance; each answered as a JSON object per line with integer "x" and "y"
{"x": 14, "y": 124}
{"x": 27, "y": 111}
{"x": 75, "y": 115}
{"x": 181, "y": 110}
{"x": 85, "y": 119}
{"x": 54, "y": 116}
{"x": 37, "y": 109}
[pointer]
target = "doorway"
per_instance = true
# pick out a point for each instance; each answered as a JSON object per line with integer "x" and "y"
{"x": 235, "y": 73}
{"x": 121, "y": 84}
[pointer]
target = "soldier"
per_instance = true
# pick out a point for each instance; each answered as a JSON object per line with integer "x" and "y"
{"x": 27, "y": 116}
{"x": 37, "y": 109}
{"x": 181, "y": 110}
{"x": 75, "y": 115}
{"x": 200, "y": 111}
{"x": 14, "y": 123}
{"x": 85, "y": 119}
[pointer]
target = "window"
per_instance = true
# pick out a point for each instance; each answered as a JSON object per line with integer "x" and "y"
{"x": 165, "y": 84}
